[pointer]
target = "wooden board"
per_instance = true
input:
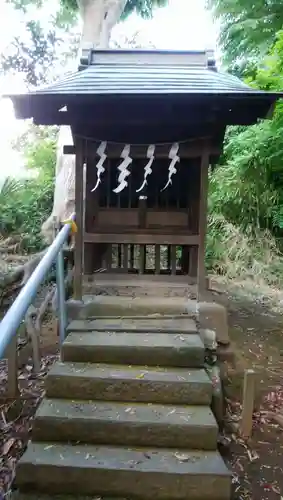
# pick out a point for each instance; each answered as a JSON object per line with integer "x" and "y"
{"x": 167, "y": 218}
{"x": 114, "y": 216}
{"x": 192, "y": 149}
{"x": 145, "y": 238}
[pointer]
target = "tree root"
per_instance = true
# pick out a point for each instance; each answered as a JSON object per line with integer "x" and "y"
{"x": 11, "y": 281}
{"x": 11, "y": 249}
{"x": 10, "y": 244}
{"x": 16, "y": 258}
{"x": 33, "y": 336}
{"x": 42, "y": 310}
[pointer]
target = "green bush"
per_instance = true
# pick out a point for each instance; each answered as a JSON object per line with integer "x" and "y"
{"x": 238, "y": 254}
{"x": 26, "y": 204}
{"x": 25, "y": 209}
{"x": 246, "y": 191}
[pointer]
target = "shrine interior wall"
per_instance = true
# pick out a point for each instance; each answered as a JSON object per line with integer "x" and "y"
{"x": 176, "y": 206}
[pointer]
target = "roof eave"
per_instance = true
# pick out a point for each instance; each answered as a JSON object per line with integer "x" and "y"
{"x": 26, "y": 106}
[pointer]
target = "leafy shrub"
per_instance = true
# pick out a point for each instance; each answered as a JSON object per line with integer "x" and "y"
{"x": 26, "y": 204}
{"x": 246, "y": 191}
{"x": 25, "y": 210}
{"x": 238, "y": 254}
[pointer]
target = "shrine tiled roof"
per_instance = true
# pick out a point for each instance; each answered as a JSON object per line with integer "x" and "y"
{"x": 147, "y": 72}
{"x": 130, "y": 76}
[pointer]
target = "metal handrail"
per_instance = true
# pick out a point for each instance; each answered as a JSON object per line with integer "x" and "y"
{"x": 16, "y": 313}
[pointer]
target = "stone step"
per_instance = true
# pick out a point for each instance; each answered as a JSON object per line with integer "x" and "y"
{"x": 149, "y": 349}
{"x": 141, "y": 324}
{"x": 126, "y": 424}
{"x": 126, "y": 383}
{"x": 99, "y": 305}
{"x": 159, "y": 474}
{"x": 17, "y": 495}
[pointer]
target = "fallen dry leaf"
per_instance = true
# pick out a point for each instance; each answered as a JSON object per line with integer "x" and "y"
{"x": 182, "y": 457}
{"x": 48, "y": 447}
{"x": 7, "y": 446}
{"x": 253, "y": 455}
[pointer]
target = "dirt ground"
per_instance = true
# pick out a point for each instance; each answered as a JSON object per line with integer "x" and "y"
{"x": 16, "y": 417}
{"x": 257, "y": 338}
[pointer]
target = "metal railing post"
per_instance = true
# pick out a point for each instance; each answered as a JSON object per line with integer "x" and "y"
{"x": 13, "y": 318}
{"x": 60, "y": 281}
{"x": 62, "y": 316}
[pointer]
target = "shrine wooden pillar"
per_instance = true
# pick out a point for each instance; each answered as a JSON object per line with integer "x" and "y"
{"x": 79, "y": 209}
{"x": 92, "y": 251}
{"x": 202, "y": 223}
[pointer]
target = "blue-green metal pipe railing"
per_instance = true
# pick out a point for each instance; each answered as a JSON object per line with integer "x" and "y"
{"x": 15, "y": 315}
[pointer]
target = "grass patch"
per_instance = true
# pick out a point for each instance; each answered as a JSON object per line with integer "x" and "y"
{"x": 245, "y": 256}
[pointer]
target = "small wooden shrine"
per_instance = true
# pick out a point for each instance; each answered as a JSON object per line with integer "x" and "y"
{"x": 146, "y": 127}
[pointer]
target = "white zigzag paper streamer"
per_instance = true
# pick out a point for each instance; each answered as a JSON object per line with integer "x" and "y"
{"x": 147, "y": 168}
{"x": 124, "y": 172}
{"x": 100, "y": 168}
{"x": 174, "y": 159}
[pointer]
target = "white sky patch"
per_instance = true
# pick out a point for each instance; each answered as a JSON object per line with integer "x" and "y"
{"x": 182, "y": 25}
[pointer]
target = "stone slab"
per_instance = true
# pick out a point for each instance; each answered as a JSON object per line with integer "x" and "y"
{"x": 162, "y": 349}
{"x": 139, "y": 324}
{"x": 135, "y": 424}
{"x": 107, "y": 470}
{"x": 17, "y": 495}
{"x": 127, "y": 383}
{"x": 214, "y": 316}
{"x": 112, "y": 305}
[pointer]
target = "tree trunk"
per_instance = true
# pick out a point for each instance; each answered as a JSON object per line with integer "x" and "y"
{"x": 99, "y": 17}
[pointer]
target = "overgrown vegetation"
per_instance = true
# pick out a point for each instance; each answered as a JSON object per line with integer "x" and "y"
{"x": 243, "y": 255}
{"x": 25, "y": 204}
{"x": 246, "y": 189}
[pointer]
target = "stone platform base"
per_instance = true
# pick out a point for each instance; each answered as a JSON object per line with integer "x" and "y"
{"x": 208, "y": 315}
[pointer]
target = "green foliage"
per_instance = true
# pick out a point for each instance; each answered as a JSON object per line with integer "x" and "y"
{"x": 269, "y": 75}
{"x": 243, "y": 255}
{"x": 42, "y": 47}
{"x": 33, "y": 56}
{"x": 248, "y": 27}
{"x": 25, "y": 210}
{"x": 26, "y": 204}
{"x": 40, "y": 154}
{"x": 34, "y": 134}
{"x": 246, "y": 189}
{"x": 67, "y": 8}
{"x": 143, "y": 8}
{"x": 9, "y": 187}
{"x": 23, "y": 5}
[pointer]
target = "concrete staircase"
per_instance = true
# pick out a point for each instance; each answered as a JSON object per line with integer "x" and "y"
{"x": 127, "y": 414}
